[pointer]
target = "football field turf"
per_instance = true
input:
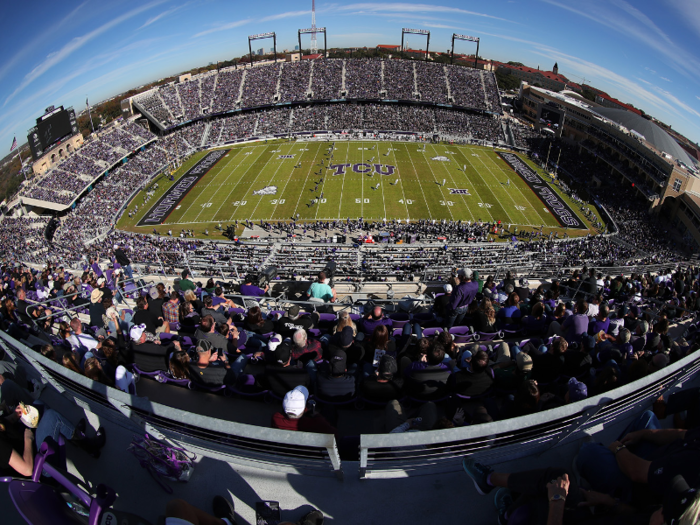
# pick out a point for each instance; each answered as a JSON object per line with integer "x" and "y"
{"x": 373, "y": 180}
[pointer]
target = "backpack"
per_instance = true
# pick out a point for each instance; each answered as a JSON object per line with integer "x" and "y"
{"x": 163, "y": 461}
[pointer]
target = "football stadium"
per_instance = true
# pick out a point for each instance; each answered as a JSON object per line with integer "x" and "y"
{"x": 348, "y": 285}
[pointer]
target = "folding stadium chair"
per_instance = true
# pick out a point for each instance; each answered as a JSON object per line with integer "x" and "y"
{"x": 398, "y": 319}
{"x": 41, "y": 504}
{"x": 430, "y": 332}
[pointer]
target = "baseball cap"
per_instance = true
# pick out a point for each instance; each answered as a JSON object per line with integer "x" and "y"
{"x": 137, "y": 331}
{"x": 116, "y": 246}
{"x": 524, "y": 362}
{"x": 577, "y": 390}
{"x": 96, "y": 295}
{"x": 466, "y": 272}
{"x": 464, "y": 359}
{"x": 346, "y": 336}
{"x": 101, "y": 281}
{"x": 274, "y": 342}
{"x": 524, "y": 282}
{"x": 447, "y": 288}
{"x": 153, "y": 292}
{"x": 204, "y": 345}
{"x": 338, "y": 362}
{"x": 294, "y": 402}
{"x": 293, "y": 311}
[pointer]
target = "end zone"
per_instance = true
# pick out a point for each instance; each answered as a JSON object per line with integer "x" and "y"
{"x": 169, "y": 201}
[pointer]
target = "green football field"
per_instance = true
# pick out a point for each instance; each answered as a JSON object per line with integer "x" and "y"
{"x": 282, "y": 180}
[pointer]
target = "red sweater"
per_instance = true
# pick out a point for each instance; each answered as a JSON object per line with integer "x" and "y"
{"x": 317, "y": 424}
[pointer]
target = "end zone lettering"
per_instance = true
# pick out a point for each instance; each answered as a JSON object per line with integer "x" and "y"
{"x": 168, "y": 202}
{"x": 555, "y": 205}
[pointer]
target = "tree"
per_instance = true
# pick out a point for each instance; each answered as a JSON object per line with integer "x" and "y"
{"x": 506, "y": 81}
{"x": 588, "y": 94}
{"x": 516, "y": 64}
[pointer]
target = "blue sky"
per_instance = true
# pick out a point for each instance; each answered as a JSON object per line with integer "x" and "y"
{"x": 59, "y": 52}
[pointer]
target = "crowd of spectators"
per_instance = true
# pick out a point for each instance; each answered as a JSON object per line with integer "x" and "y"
{"x": 431, "y": 82}
{"x": 294, "y": 81}
{"x": 63, "y": 183}
{"x": 260, "y": 86}
{"x": 363, "y": 78}
{"x": 227, "y": 90}
{"x": 399, "y": 80}
{"x": 190, "y": 93}
{"x": 329, "y": 79}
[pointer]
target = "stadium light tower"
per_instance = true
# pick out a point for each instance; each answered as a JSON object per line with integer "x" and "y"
{"x": 423, "y": 32}
{"x": 314, "y": 44}
{"x": 476, "y": 39}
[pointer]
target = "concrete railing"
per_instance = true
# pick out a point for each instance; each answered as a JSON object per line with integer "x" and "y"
{"x": 418, "y": 453}
{"x": 381, "y": 455}
{"x": 266, "y": 448}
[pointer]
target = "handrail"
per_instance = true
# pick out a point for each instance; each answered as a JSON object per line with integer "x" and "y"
{"x": 381, "y": 455}
{"x": 394, "y": 455}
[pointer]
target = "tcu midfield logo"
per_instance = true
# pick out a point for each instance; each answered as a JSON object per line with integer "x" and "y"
{"x": 381, "y": 169}
{"x": 267, "y": 190}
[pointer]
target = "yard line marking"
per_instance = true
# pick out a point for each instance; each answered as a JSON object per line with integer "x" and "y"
{"x": 313, "y": 166}
{"x": 511, "y": 196}
{"x": 202, "y": 192}
{"x": 231, "y": 175}
{"x": 488, "y": 187}
{"x": 342, "y": 186}
{"x": 427, "y": 205}
{"x": 449, "y": 173}
{"x": 403, "y": 194}
{"x": 271, "y": 178}
{"x": 223, "y": 169}
{"x": 257, "y": 176}
{"x": 444, "y": 199}
{"x": 301, "y": 154}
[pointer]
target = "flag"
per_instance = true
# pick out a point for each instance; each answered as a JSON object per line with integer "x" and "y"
{"x": 14, "y": 144}
{"x": 86, "y": 102}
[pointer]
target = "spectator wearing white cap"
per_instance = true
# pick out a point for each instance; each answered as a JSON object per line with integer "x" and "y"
{"x": 298, "y": 415}
{"x": 462, "y": 297}
{"x": 148, "y": 353}
{"x": 441, "y": 306}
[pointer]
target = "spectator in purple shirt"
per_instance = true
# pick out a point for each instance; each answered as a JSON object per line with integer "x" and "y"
{"x": 600, "y": 321}
{"x": 433, "y": 360}
{"x": 248, "y": 288}
{"x": 573, "y": 326}
{"x": 462, "y": 296}
{"x": 375, "y": 319}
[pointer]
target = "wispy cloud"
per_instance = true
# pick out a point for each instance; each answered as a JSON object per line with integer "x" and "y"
{"x": 665, "y": 79}
{"x": 433, "y": 25}
{"x": 71, "y": 47}
{"x": 162, "y": 15}
{"x": 288, "y": 14}
{"x": 690, "y": 14}
{"x": 15, "y": 58}
{"x": 223, "y": 27}
{"x": 401, "y": 8}
{"x": 627, "y": 20}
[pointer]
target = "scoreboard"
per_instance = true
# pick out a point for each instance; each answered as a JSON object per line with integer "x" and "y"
{"x": 51, "y": 128}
